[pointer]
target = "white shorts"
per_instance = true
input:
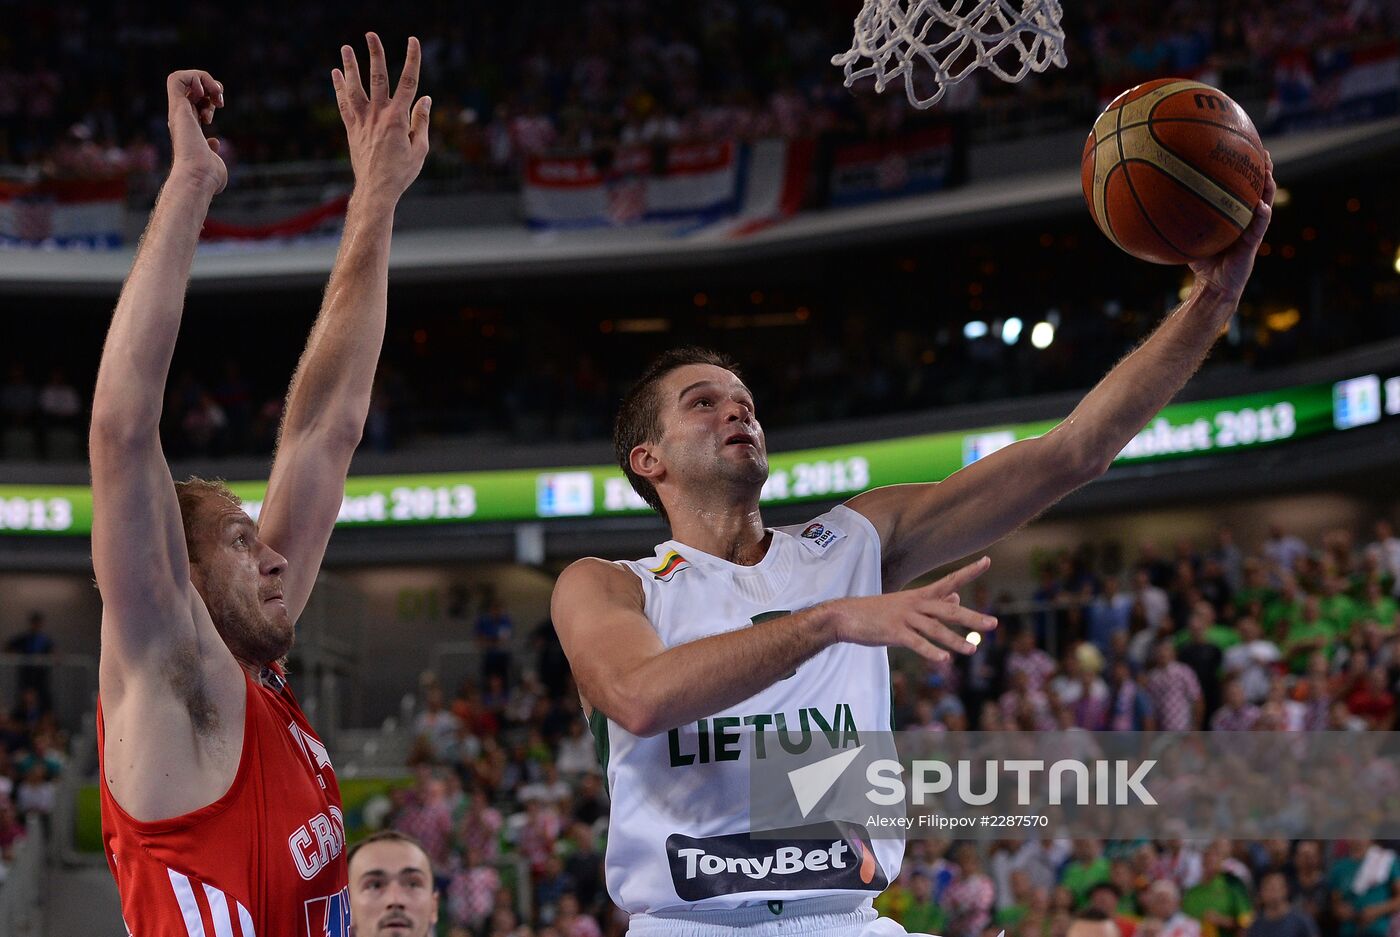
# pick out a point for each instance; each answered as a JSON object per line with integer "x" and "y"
{"x": 810, "y": 917}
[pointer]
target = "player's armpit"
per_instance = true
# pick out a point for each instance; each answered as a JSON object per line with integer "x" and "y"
{"x": 925, "y": 526}
{"x": 599, "y": 613}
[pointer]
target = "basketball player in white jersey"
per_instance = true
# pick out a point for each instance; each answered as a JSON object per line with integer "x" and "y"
{"x": 732, "y": 628}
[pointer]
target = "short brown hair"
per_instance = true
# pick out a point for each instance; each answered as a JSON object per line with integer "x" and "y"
{"x": 639, "y": 416}
{"x": 192, "y": 492}
{"x": 388, "y": 836}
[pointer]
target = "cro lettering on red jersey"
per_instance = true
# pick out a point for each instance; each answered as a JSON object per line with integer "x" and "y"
{"x": 318, "y": 842}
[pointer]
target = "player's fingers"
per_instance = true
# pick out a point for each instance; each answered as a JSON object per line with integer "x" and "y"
{"x": 193, "y": 85}
{"x": 1263, "y": 214}
{"x": 408, "y": 81}
{"x": 354, "y": 86}
{"x": 418, "y": 122}
{"x": 213, "y": 143}
{"x": 378, "y": 69}
{"x": 942, "y": 636}
{"x": 959, "y": 577}
{"x": 925, "y": 648}
{"x": 969, "y": 618}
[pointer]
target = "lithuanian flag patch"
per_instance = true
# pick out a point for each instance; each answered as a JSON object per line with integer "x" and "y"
{"x": 671, "y": 564}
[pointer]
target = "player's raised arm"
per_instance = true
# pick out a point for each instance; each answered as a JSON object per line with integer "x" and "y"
{"x": 330, "y": 392}
{"x": 623, "y": 669}
{"x": 138, "y": 543}
{"x": 925, "y": 526}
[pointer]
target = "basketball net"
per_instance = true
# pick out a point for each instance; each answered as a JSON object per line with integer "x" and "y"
{"x": 951, "y": 38}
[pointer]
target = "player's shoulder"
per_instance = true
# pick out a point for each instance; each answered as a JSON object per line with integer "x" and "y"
{"x": 594, "y": 577}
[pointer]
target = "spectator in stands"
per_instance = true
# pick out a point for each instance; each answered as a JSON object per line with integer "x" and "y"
{"x": 471, "y": 892}
{"x": 923, "y": 915}
{"x": 1373, "y": 701}
{"x": 1307, "y": 634}
{"x": 1283, "y": 551}
{"x": 1130, "y": 709}
{"x": 1236, "y": 714}
{"x": 493, "y": 630}
{"x": 437, "y": 724}
{"x": 1026, "y": 658}
{"x": 1277, "y": 917}
{"x": 1162, "y": 902}
{"x": 12, "y": 829}
{"x": 34, "y": 643}
{"x": 426, "y": 816}
{"x": 1174, "y": 691}
{"x": 1109, "y": 614}
{"x": 1365, "y": 889}
{"x": 571, "y": 923}
{"x": 968, "y": 901}
{"x": 1251, "y": 660}
{"x": 584, "y": 865}
{"x": 1385, "y": 552}
{"x": 1107, "y": 899}
{"x": 1088, "y": 867}
{"x": 37, "y": 792}
{"x": 1155, "y": 603}
{"x": 1091, "y": 922}
{"x": 1308, "y": 887}
{"x": 1199, "y": 650}
{"x": 1220, "y": 901}
{"x": 590, "y": 802}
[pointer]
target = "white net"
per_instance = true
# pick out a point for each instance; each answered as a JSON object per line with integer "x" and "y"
{"x": 951, "y": 38}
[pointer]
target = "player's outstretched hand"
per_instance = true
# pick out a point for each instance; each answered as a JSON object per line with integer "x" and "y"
{"x": 192, "y": 96}
{"x": 1229, "y": 270}
{"x": 929, "y": 620}
{"x": 388, "y": 132}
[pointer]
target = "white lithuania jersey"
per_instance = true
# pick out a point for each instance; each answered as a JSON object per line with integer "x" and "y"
{"x": 678, "y": 835}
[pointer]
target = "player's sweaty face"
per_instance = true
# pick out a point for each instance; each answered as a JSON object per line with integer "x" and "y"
{"x": 240, "y": 579}
{"x": 391, "y": 891}
{"x": 709, "y": 425}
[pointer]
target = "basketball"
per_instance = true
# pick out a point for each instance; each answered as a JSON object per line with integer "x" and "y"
{"x": 1172, "y": 171}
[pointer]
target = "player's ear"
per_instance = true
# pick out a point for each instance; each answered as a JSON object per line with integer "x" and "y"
{"x": 645, "y": 462}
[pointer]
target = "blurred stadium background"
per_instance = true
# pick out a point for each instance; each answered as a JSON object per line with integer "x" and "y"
{"x": 906, "y": 290}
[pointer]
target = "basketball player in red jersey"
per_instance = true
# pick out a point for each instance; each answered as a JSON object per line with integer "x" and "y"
{"x": 221, "y": 812}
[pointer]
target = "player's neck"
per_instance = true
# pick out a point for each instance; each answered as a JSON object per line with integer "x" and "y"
{"x": 734, "y": 535}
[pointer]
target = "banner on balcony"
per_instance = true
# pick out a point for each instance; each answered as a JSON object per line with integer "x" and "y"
{"x": 1334, "y": 85}
{"x": 62, "y": 213}
{"x": 922, "y": 161}
{"x": 690, "y": 188}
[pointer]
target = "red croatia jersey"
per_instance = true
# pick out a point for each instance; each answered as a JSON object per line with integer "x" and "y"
{"x": 265, "y": 860}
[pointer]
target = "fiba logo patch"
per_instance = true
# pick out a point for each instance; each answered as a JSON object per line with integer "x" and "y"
{"x": 818, "y": 536}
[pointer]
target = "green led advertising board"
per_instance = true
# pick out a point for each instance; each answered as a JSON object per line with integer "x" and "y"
{"x": 1199, "y": 429}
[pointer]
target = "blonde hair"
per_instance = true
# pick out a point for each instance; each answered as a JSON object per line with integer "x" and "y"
{"x": 193, "y": 492}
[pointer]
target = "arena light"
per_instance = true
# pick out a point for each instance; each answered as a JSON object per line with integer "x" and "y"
{"x": 1042, "y": 335}
{"x": 1282, "y": 321}
{"x": 1011, "y": 330}
{"x": 974, "y": 330}
{"x": 1397, "y": 260}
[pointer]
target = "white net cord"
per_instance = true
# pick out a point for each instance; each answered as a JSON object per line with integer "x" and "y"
{"x": 952, "y": 38}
